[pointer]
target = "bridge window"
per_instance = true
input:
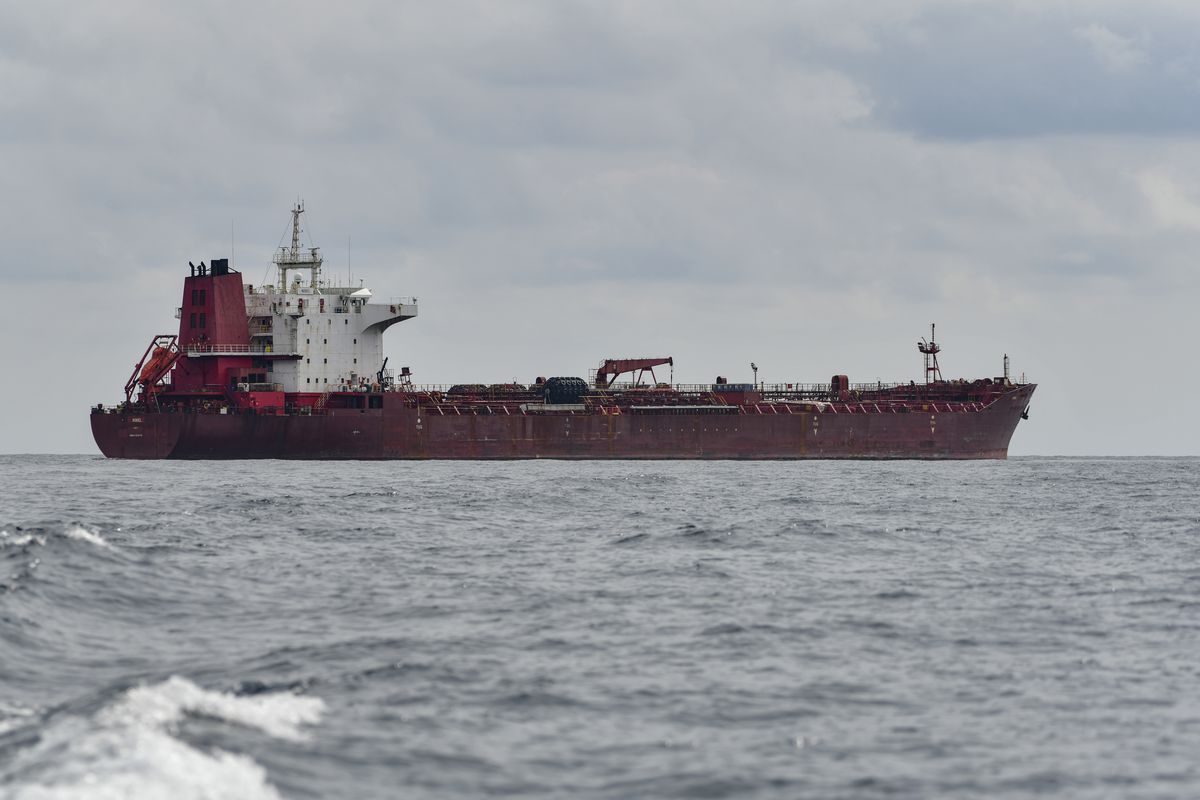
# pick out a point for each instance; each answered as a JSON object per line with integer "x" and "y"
{"x": 202, "y": 320}
{"x": 202, "y": 292}
{"x": 193, "y": 320}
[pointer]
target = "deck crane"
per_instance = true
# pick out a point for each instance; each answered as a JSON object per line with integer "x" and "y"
{"x": 612, "y": 368}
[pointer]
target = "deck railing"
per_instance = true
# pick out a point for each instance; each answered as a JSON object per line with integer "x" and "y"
{"x": 690, "y": 388}
{"x": 231, "y": 349}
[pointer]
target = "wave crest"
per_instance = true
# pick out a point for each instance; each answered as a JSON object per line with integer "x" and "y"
{"x": 82, "y": 534}
{"x": 127, "y": 750}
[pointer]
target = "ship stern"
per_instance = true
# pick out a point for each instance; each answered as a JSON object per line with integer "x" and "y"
{"x": 134, "y": 434}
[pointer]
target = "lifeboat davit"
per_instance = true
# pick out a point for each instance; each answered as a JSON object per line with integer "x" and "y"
{"x": 159, "y": 360}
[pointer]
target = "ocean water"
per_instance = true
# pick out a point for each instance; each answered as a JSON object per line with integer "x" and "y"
{"x": 599, "y": 630}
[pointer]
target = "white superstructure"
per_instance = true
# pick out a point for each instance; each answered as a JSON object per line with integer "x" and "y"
{"x": 317, "y": 337}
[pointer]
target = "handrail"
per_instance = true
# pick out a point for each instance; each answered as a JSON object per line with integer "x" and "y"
{"x": 709, "y": 388}
{"x": 235, "y": 349}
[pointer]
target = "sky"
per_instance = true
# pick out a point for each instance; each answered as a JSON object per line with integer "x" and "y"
{"x": 805, "y": 185}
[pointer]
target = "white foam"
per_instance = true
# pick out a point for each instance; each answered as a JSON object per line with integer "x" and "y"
{"x": 84, "y": 535}
{"x": 279, "y": 715}
{"x": 13, "y": 717}
{"x": 127, "y": 749}
{"x": 13, "y": 540}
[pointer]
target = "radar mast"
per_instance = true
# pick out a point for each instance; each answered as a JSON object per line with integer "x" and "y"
{"x": 295, "y": 257}
{"x": 930, "y": 349}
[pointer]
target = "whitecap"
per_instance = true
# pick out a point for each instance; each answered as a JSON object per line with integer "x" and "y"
{"x": 8, "y": 539}
{"x": 279, "y": 714}
{"x": 84, "y": 535}
{"x": 128, "y": 750}
{"x": 13, "y": 716}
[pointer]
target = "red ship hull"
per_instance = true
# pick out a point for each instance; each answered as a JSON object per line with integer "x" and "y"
{"x": 402, "y": 430}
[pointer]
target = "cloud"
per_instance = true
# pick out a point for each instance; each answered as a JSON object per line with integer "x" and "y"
{"x": 971, "y": 71}
{"x": 805, "y": 185}
{"x": 1169, "y": 203}
{"x": 1116, "y": 53}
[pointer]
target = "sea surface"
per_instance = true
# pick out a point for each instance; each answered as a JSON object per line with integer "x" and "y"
{"x": 599, "y": 629}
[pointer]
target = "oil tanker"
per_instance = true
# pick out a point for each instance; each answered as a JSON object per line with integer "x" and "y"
{"x": 295, "y": 369}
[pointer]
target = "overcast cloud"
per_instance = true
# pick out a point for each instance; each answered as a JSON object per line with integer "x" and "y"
{"x": 806, "y": 185}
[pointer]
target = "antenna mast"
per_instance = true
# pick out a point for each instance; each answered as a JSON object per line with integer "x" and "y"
{"x": 288, "y": 258}
{"x": 930, "y": 350}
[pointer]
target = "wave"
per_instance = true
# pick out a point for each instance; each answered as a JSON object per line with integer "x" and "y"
{"x": 127, "y": 749}
{"x": 13, "y": 717}
{"x": 19, "y": 539}
{"x": 82, "y": 534}
{"x": 24, "y": 537}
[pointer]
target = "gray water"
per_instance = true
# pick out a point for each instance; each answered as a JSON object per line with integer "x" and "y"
{"x": 599, "y": 630}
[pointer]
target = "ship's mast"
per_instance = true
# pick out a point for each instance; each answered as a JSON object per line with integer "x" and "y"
{"x": 288, "y": 258}
{"x": 930, "y": 349}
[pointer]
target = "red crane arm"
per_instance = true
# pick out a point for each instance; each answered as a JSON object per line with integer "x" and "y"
{"x": 612, "y": 368}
